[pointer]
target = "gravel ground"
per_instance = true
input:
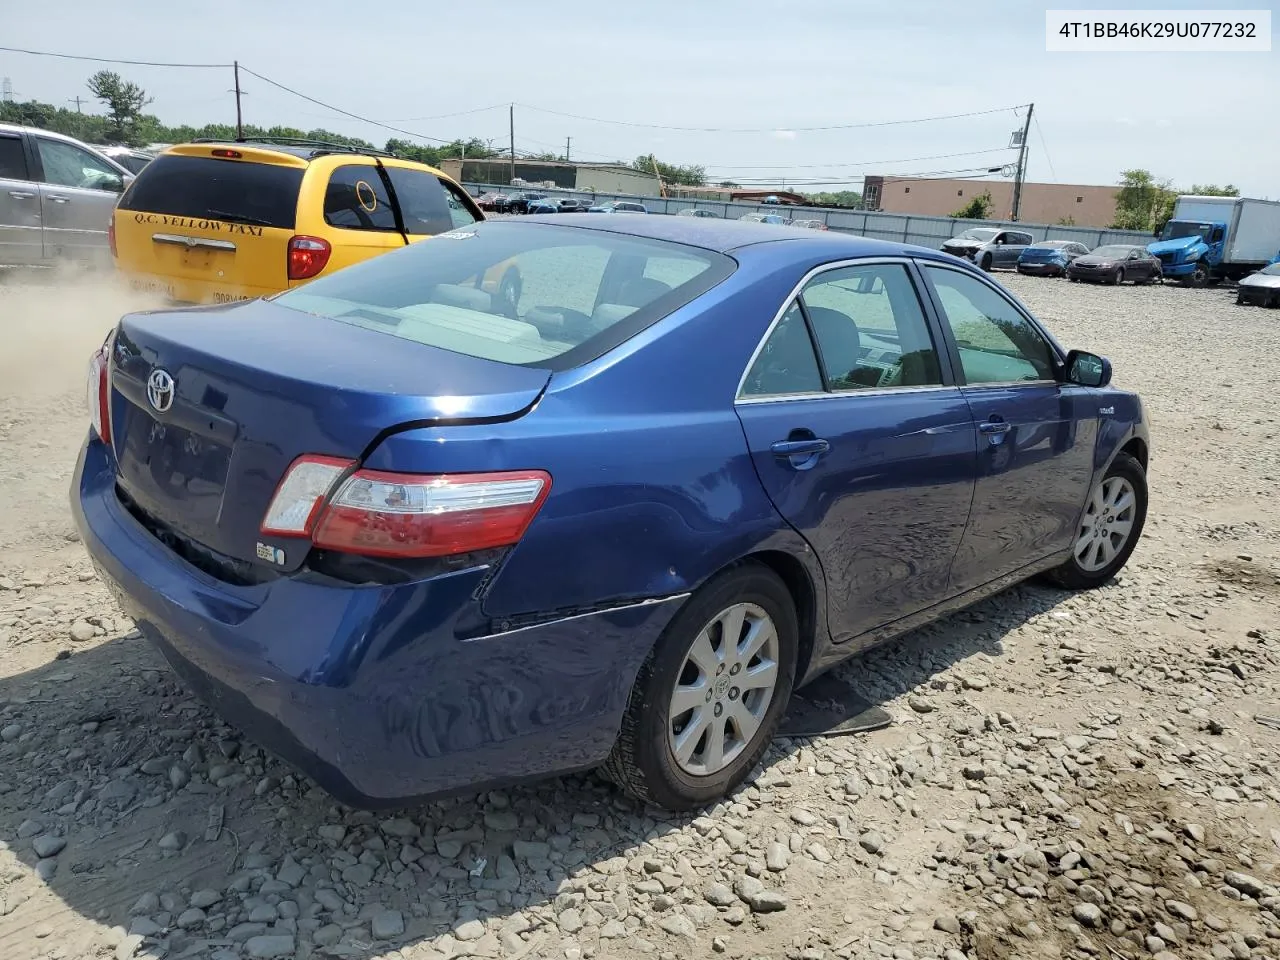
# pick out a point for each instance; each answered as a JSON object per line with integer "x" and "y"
{"x": 1067, "y": 775}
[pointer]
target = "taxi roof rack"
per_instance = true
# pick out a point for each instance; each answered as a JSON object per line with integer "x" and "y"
{"x": 321, "y": 146}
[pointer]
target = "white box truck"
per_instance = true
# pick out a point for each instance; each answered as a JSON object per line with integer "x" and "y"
{"x": 1210, "y": 239}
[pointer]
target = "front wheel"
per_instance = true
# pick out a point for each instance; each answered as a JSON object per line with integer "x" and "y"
{"x": 1119, "y": 277}
{"x": 986, "y": 262}
{"x": 1199, "y": 277}
{"x": 712, "y": 692}
{"x": 1109, "y": 528}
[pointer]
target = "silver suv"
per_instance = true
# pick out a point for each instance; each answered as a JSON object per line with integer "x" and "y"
{"x": 56, "y": 198}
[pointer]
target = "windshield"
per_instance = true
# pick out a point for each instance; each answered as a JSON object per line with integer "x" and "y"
{"x": 1271, "y": 270}
{"x": 1181, "y": 228}
{"x": 1113, "y": 252}
{"x": 979, "y": 233}
{"x": 519, "y": 293}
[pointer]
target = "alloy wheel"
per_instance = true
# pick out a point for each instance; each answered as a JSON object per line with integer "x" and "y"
{"x": 1106, "y": 525}
{"x": 723, "y": 690}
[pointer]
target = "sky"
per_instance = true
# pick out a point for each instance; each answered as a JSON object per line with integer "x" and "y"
{"x": 769, "y": 69}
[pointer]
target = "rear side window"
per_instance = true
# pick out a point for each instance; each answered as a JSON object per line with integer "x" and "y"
{"x": 356, "y": 198}
{"x": 13, "y": 160}
{"x": 535, "y": 294}
{"x": 264, "y": 194}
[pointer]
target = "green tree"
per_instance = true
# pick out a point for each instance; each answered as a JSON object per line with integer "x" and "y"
{"x": 1142, "y": 202}
{"x": 1211, "y": 190}
{"x": 979, "y": 208}
{"x": 839, "y": 198}
{"x": 729, "y": 183}
{"x": 124, "y": 101}
{"x": 688, "y": 176}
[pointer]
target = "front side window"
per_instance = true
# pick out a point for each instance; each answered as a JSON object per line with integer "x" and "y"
{"x": 870, "y": 328}
{"x": 66, "y": 165}
{"x": 997, "y": 344}
{"x": 522, "y": 293}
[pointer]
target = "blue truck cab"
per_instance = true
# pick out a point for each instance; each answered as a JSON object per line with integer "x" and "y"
{"x": 1210, "y": 239}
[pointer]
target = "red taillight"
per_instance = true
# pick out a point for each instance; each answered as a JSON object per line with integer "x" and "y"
{"x": 111, "y": 235}
{"x": 98, "y": 394}
{"x": 381, "y": 514}
{"x": 227, "y": 154}
{"x": 307, "y": 257}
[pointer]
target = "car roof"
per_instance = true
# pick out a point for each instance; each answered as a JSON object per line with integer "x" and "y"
{"x": 725, "y": 236}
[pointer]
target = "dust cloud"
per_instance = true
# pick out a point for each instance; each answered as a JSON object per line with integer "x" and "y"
{"x": 51, "y": 321}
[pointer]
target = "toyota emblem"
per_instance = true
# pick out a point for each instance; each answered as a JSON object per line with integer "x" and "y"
{"x": 160, "y": 390}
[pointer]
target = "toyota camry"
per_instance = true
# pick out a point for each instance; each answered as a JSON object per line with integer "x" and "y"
{"x": 420, "y": 537}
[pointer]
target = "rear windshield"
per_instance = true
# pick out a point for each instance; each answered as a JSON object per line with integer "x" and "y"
{"x": 524, "y": 293}
{"x": 232, "y": 190}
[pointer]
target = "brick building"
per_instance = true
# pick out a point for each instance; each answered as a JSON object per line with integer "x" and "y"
{"x": 1085, "y": 206}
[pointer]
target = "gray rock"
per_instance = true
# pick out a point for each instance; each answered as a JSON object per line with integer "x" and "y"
{"x": 145, "y": 927}
{"x": 920, "y": 704}
{"x": 332, "y": 832}
{"x": 531, "y": 849}
{"x": 871, "y": 842}
{"x": 777, "y": 857}
{"x": 264, "y": 913}
{"x": 81, "y": 631}
{"x": 1184, "y": 911}
{"x": 1249, "y": 886}
{"x": 147, "y": 903}
{"x": 204, "y": 899}
{"x": 400, "y": 828}
{"x": 1088, "y": 914}
{"x": 29, "y": 828}
{"x": 571, "y": 921}
{"x": 718, "y": 895}
{"x": 449, "y": 849}
{"x": 388, "y": 924}
{"x": 678, "y": 925}
{"x": 291, "y": 872}
{"x": 327, "y": 935}
{"x": 179, "y": 776}
{"x": 469, "y": 931}
{"x": 947, "y": 924}
{"x": 358, "y": 875}
{"x": 10, "y": 732}
{"x": 270, "y": 946}
{"x": 1224, "y": 794}
{"x": 766, "y": 901}
{"x": 48, "y": 845}
{"x": 128, "y": 948}
{"x": 173, "y": 841}
{"x": 191, "y": 917}
{"x": 45, "y": 869}
{"x": 503, "y": 821}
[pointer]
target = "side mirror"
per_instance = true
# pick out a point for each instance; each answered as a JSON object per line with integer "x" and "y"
{"x": 1088, "y": 369}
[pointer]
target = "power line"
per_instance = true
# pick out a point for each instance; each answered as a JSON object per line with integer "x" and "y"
{"x": 132, "y": 63}
{"x": 345, "y": 113}
{"x": 859, "y": 163}
{"x": 1040, "y": 133}
{"x": 445, "y": 116}
{"x": 835, "y": 126}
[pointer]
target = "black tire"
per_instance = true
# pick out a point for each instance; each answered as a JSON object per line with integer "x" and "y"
{"x": 641, "y": 762}
{"x": 1073, "y": 279}
{"x": 509, "y": 289}
{"x": 1070, "y": 574}
{"x": 1199, "y": 277}
{"x": 986, "y": 262}
{"x": 1240, "y": 300}
{"x": 1118, "y": 278}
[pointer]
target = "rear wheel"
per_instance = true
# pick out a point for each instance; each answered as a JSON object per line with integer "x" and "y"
{"x": 986, "y": 262}
{"x": 711, "y": 693}
{"x": 1109, "y": 527}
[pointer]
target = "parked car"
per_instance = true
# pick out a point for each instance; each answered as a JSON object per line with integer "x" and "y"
{"x": 696, "y": 212}
{"x": 1050, "y": 258}
{"x": 543, "y": 205}
{"x": 619, "y": 206}
{"x": 1116, "y": 263}
{"x": 430, "y": 547}
{"x": 212, "y": 221}
{"x": 572, "y": 205}
{"x": 56, "y": 198}
{"x": 776, "y": 219}
{"x": 1261, "y": 288}
{"x": 519, "y": 203}
{"x": 989, "y": 247}
{"x": 488, "y": 201}
{"x": 809, "y": 224}
{"x": 129, "y": 158}
{"x": 752, "y": 218}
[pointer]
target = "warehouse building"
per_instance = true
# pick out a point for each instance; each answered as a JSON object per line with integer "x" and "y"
{"x": 590, "y": 177}
{"x": 1081, "y": 205}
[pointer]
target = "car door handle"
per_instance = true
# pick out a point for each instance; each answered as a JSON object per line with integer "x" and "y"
{"x": 56, "y": 198}
{"x": 21, "y": 195}
{"x": 786, "y": 449}
{"x": 995, "y": 427}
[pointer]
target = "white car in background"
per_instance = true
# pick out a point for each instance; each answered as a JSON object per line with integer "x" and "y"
{"x": 1261, "y": 288}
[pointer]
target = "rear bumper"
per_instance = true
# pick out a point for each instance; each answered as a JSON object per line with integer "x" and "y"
{"x": 374, "y": 691}
{"x": 194, "y": 291}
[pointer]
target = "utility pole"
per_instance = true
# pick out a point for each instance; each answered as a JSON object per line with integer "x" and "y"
{"x": 567, "y": 141}
{"x": 239, "y": 115}
{"x": 76, "y": 101}
{"x": 511, "y": 119}
{"x": 1022, "y": 163}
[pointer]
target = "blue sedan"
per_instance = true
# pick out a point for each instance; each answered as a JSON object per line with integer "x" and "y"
{"x": 419, "y": 539}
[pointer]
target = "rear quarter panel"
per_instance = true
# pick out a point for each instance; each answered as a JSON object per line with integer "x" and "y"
{"x": 653, "y": 487}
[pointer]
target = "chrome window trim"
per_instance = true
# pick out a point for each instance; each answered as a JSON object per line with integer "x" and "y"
{"x": 786, "y": 305}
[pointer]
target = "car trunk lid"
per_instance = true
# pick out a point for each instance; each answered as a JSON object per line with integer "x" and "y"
{"x": 209, "y": 406}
